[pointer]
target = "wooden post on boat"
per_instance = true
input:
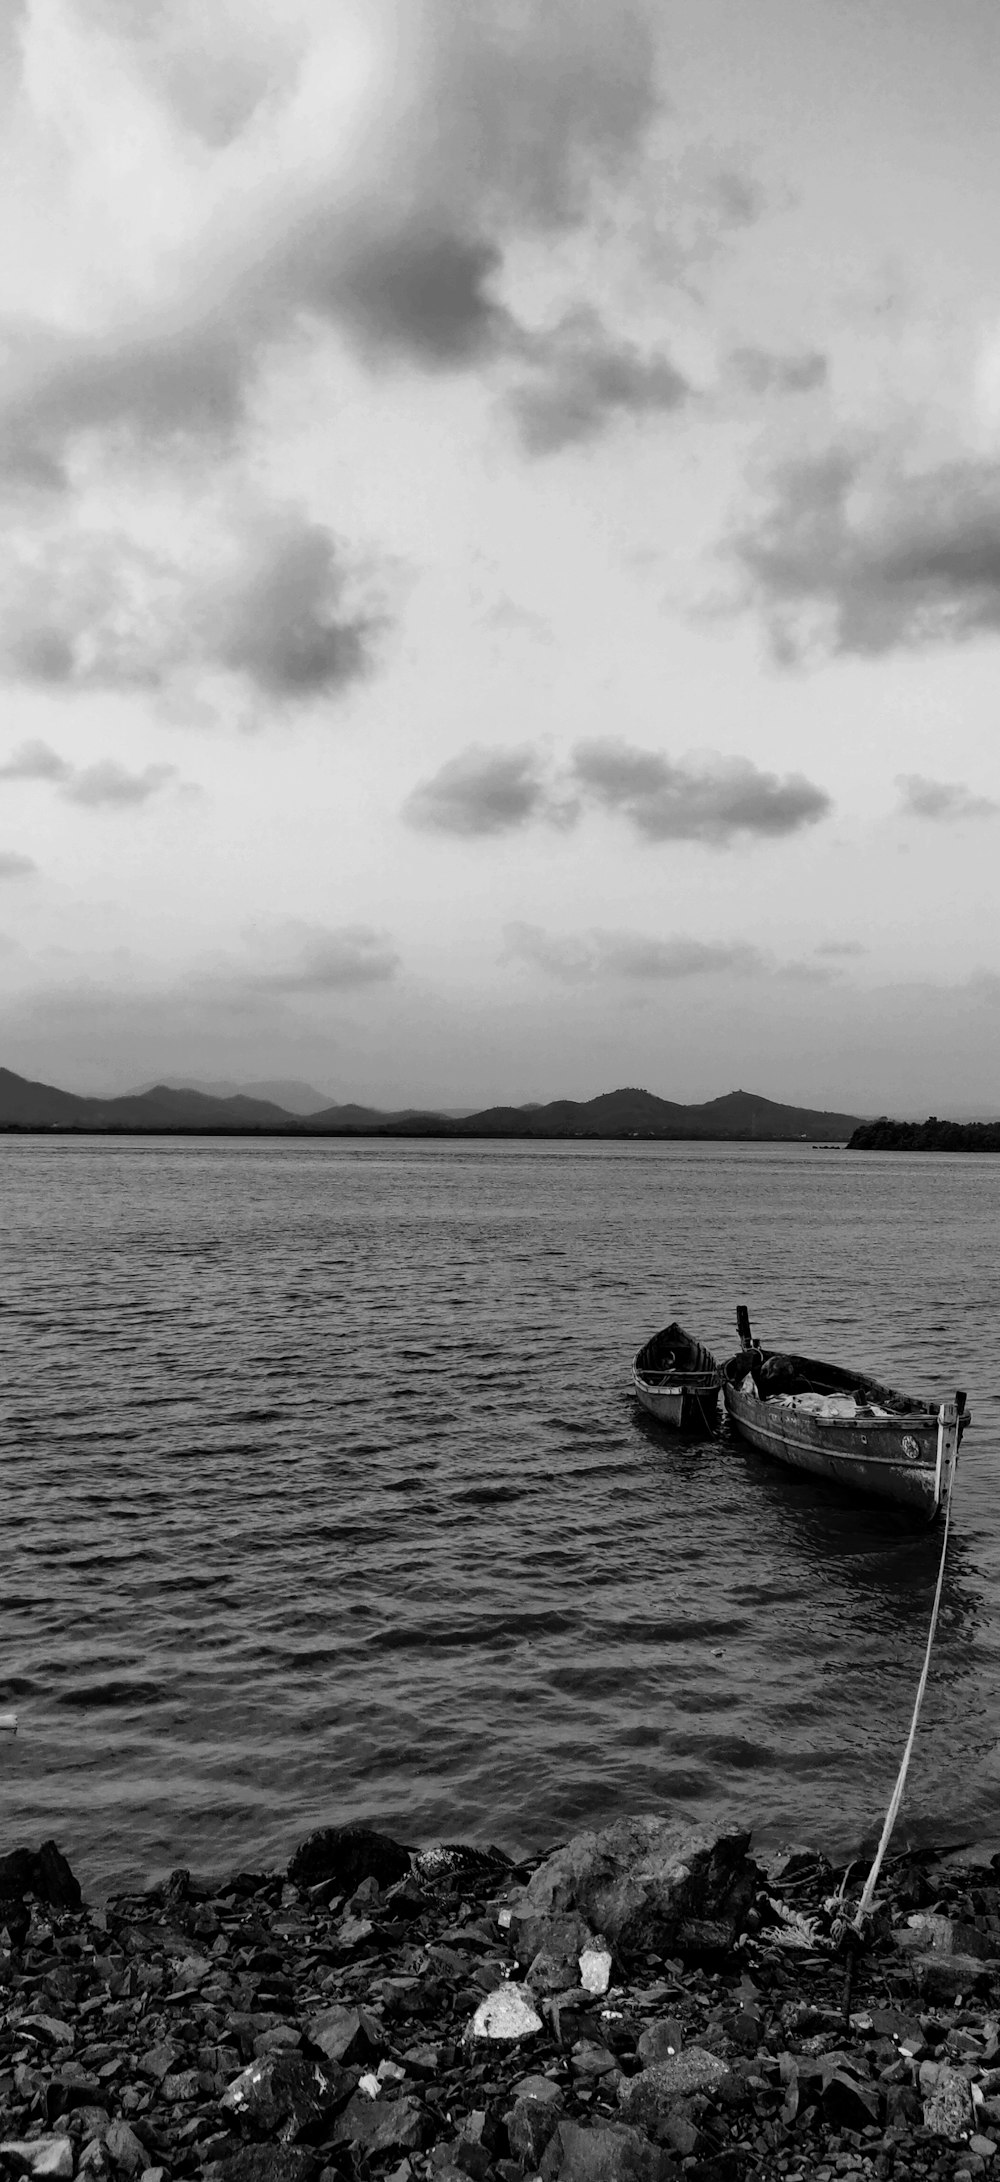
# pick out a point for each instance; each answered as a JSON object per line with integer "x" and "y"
{"x": 743, "y": 1326}
{"x": 949, "y": 1415}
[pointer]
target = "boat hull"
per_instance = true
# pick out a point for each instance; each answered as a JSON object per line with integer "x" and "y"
{"x": 892, "y": 1459}
{"x": 676, "y": 1379}
{"x": 677, "y": 1405}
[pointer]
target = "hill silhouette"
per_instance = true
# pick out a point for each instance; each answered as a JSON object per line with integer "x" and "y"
{"x": 624, "y": 1113}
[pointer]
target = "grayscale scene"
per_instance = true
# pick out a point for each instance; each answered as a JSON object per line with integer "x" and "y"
{"x": 499, "y": 1091}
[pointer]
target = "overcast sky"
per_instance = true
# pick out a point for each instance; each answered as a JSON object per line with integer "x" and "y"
{"x": 500, "y": 560}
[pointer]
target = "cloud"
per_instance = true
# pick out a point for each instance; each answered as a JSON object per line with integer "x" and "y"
{"x": 266, "y": 600}
{"x": 853, "y": 553}
{"x": 485, "y": 792}
{"x": 945, "y": 800}
{"x": 763, "y": 371}
{"x": 13, "y": 866}
{"x": 713, "y": 801}
{"x": 624, "y": 956}
{"x": 837, "y": 947}
{"x": 583, "y": 378}
{"x": 330, "y": 961}
{"x": 103, "y": 785}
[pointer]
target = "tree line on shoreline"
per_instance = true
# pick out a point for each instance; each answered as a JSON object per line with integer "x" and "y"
{"x": 932, "y": 1135}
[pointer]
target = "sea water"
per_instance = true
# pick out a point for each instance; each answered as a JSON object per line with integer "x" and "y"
{"x": 325, "y": 1496}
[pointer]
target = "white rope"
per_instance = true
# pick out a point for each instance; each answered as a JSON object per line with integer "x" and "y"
{"x": 897, "y": 1794}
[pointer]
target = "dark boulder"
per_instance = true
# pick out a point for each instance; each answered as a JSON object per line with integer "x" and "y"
{"x": 42, "y": 1872}
{"x": 345, "y": 1855}
{"x": 649, "y": 1885}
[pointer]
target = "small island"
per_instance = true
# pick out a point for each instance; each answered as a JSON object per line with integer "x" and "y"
{"x": 932, "y": 1135}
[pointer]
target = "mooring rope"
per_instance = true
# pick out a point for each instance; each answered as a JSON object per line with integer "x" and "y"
{"x": 896, "y": 1798}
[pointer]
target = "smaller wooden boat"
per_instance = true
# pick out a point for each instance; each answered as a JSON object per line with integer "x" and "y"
{"x": 676, "y": 1379}
{"x": 842, "y": 1425}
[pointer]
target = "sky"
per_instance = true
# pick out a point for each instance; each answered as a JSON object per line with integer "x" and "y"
{"x": 500, "y": 558}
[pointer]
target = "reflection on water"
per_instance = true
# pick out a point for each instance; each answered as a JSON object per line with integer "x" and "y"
{"x": 327, "y": 1495}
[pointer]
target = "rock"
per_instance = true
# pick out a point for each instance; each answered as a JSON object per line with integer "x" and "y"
{"x": 849, "y": 2104}
{"x": 506, "y": 2014}
{"x": 948, "y": 2110}
{"x": 648, "y": 2097}
{"x": 158, "y": 2062}
{"x": 556, "y": 1947}
{"x": 983, "y": 2147}
{"x": 45, "y": 2156}
{"x": 470, "y": 2152}
{"x": 591, "y": 2061}
{"x": 268, "y": 2163}
{"x": 944, "y": 1977}
{"x": 376, "y": 2126}
{"x": 42, "y": 1872}
{"x": 530, "y": 2124}
{"x": 345, "y": 2034}
{"x": 123, "y": 2147}
{"x": 345, "y": 1855}
{"x": 649, "y": 1885}
{"x": 660, "y": 2041}
{"x": 285, "y": 2093}
{"x": 611, "y": 2153}
{"x": 595, "y": 1968}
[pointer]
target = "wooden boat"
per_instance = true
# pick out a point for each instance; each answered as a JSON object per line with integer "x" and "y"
{"x": 842, "y": 1425}
{"x": 676, "y": 1379}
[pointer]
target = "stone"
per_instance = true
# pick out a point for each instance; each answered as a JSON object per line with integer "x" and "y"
{"x": 648, "y": 2097}
{"x": 284, "y": 2093}
{"x": 943, "y": 1977}
{"x": 530, "y": 2124}
{"x": 345, "y": 2034}
{"x": 124, "y": 2148}
{"x": 345, "y": 1855}
{"x": 848, "y": 2103}
{"x": 948, "y": 2109}
{"x": 158, "y": 2062}
{"x": 42, "y": 1872}
{"x": 592, "y": 2061}
{"x": 649, "y": 1885}
{"x": 595, "y": 1968}
{"x": 50, "y": 2157}
{"x": 506, "y": 2014}
{"x": 377, "y": 2126}
{"x": 660, "y": 2041}
{"x": 612, "y": 2153}
{"x": 268, "y": 2163}
{"x": 983, "y": 2147}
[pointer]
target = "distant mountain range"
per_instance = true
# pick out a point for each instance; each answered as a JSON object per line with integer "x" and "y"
{"x": 629, "y": 1113}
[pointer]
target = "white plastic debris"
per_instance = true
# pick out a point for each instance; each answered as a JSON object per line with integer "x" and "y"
{"x": 370, "y": 2085}
{"x": 595, "y": 1969}
{"x": 507, "y": 2013}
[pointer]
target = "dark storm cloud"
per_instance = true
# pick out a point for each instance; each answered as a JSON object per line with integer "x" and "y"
{"x": 484, "y": 792}
{"x": 688, "y": 801}
{"x": 837, "y": 947}
{"x": 626, "y": 956}
{"x": 581, "y": 379}
{"x": 95, "y": 611}
{"x": 333, "y": 961}
{"x": 941, "y": 800}
{"x": 13, "y": 866}
{"x": 764, "y": 371}
{"x": 104, "y": 785}
{"x": 853, "y": 555}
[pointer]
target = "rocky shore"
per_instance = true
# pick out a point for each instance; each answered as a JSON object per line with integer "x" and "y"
{"x": 643, "y": 2004}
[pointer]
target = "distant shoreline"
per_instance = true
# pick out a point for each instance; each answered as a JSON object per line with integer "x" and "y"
{"x": 458, "y": 1135}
